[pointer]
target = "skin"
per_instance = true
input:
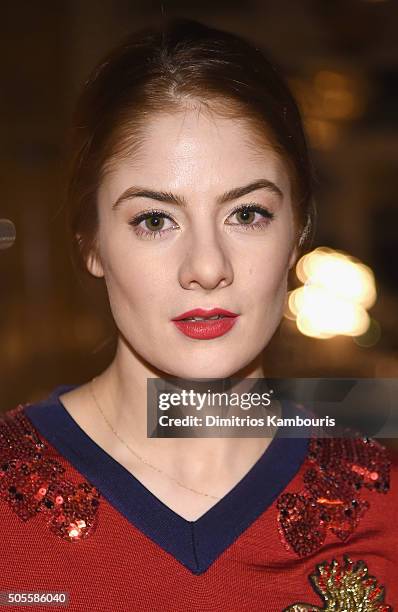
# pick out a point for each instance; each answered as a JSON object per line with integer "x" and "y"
{"x": 207, "y": 257}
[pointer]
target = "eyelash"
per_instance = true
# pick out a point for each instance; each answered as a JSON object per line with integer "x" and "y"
{"x": 135, "y": 222}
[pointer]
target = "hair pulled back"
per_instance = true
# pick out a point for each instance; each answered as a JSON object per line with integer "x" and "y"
{"x": 161, "y": 70}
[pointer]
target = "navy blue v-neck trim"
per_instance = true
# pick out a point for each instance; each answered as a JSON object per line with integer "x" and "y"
{"x": 195, "y": 544}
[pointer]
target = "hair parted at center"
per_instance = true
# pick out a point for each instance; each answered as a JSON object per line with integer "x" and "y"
{"x": 181, "y": 64}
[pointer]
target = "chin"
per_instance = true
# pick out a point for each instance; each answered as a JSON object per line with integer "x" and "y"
{"x": 191, "y": 370}
{"x": 195, "y": 373}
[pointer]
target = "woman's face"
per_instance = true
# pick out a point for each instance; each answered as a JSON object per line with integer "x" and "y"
{"x": 197, "y": 251}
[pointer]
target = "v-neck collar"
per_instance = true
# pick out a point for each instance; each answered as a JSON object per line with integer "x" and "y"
{"x": 195, "y": 544}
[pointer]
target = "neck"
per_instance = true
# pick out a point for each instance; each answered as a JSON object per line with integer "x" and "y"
{"x": 122, "y": 392}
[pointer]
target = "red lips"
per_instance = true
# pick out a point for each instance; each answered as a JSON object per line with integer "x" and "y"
{"x": 209, "y": 328}
{"x": 200, "y": 312}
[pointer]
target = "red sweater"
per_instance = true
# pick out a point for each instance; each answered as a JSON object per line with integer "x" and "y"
{"x": 312, "y": 526}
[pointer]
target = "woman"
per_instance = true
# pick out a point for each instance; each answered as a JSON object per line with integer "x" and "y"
{"x": 191, "y": 197}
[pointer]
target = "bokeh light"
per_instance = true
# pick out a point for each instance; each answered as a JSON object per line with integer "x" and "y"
{"x": 336, "y": 293}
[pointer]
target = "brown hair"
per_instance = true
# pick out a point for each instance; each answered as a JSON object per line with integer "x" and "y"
{"x": 162, "y": 70}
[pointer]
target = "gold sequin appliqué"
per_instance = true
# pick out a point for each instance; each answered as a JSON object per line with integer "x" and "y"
{"x": 33, "y": 483}
{"x": 345, "y": 586}
{"x": 338, "y": 468}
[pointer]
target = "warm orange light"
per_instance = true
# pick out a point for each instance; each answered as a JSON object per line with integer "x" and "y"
{"x": 336, "y": 293}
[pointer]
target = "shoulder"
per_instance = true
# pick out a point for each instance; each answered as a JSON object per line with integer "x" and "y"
{"x": 35, "y": 479}
{"x": 343, "y": 483}
{"x": 23, "y": 456}
{"x": 364, "y": 461}
{"x": 18, "y": 436}
{"x": 353, "y": 466}
{"x": 392, "y": 456}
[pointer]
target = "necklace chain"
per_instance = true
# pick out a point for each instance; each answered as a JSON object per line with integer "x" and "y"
{"x": 133, "y": 452}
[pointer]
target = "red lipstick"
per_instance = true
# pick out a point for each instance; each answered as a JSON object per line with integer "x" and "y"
{"x": 205, "y": 328}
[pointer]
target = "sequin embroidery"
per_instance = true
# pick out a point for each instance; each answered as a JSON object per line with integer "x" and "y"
{"x": 337, "y": 469}
{"x": 33, "y": 483}
{"x": 345, "y": 586}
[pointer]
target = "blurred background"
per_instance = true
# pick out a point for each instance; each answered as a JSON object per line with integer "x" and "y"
{"x": 341, "y": 60}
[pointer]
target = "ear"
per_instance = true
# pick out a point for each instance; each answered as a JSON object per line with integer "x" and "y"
{"x": 93, "y": 259}
{"x": 94, "y": 264}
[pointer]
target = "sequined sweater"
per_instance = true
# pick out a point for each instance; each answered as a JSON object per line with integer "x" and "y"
{"x": 312, "y": 526}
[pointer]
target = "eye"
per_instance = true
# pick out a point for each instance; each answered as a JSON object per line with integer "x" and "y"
{"x": 156, "y": 223}
{"x": 151, "y": 224}
{"x": 246, "y": 215}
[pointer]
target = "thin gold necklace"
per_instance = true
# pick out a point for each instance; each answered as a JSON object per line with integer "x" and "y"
{"x": 91, "y": 387}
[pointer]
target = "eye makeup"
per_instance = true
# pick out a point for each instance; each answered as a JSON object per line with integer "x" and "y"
{"x": 266, "y": 218}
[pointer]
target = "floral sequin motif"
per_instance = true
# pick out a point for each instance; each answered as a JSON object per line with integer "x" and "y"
{"x": 345, "y": 586}
{"x": 33, "y": 483}
{"x": 338, "y": 468}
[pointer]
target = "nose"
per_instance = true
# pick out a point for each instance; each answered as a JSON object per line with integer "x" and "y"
{"x": 206, "y": 263}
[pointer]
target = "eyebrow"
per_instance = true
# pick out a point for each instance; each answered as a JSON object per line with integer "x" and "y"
{"x": 171, "y": 198}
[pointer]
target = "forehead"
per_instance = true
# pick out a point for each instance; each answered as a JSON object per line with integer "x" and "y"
{"x": 198, "y": 150}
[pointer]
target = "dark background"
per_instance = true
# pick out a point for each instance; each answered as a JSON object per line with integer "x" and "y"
{"x": 341, "y": 59}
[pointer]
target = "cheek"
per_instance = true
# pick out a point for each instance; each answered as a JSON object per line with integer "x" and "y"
{"x": 272, "y": 292}
{"x": 266, "y": 280}
{"x": 133, "y": 279}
